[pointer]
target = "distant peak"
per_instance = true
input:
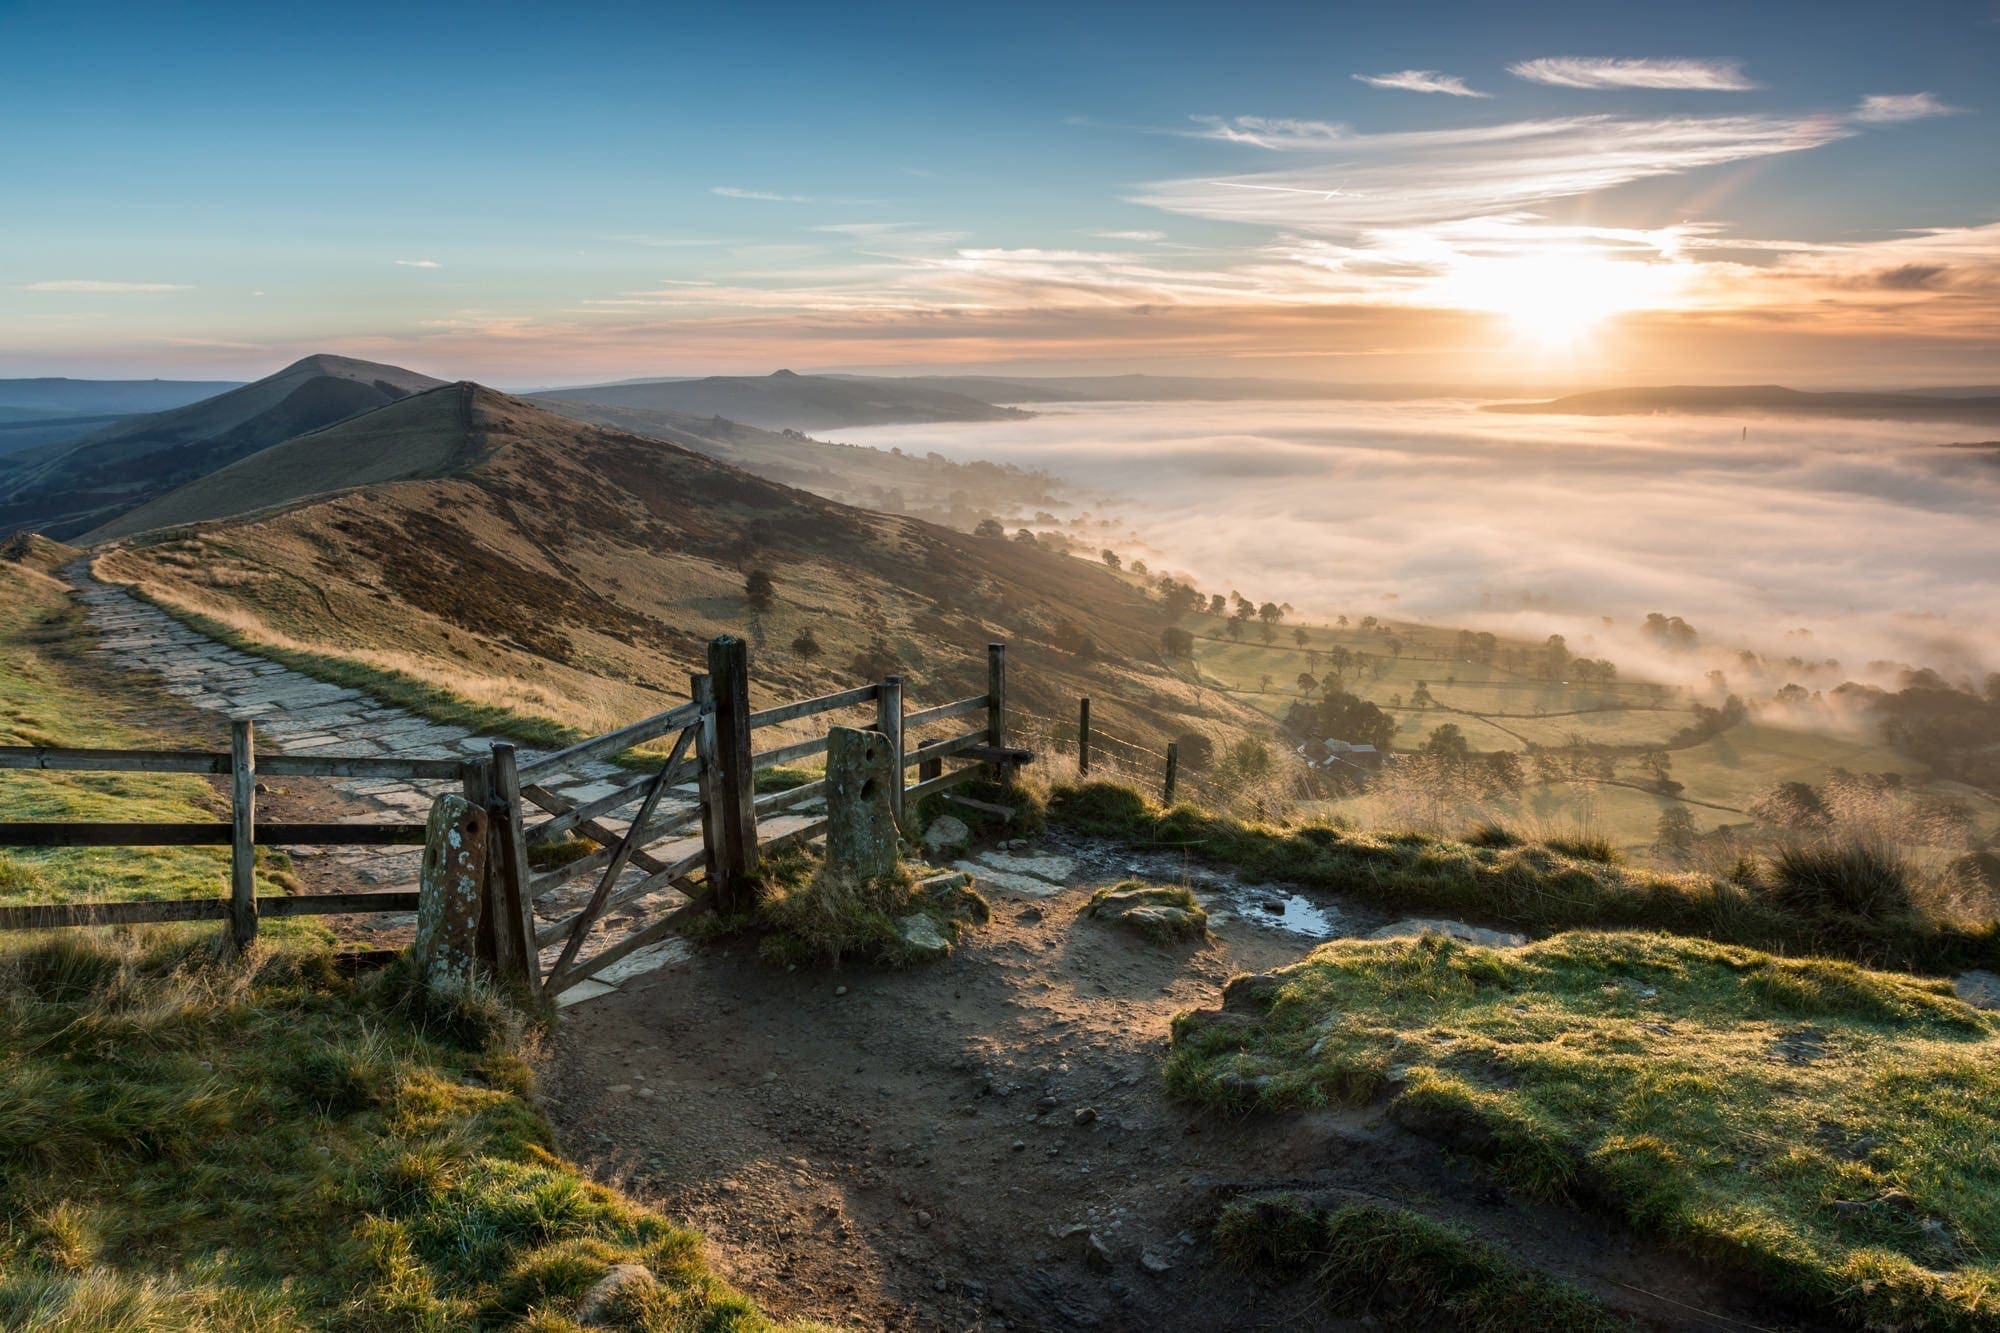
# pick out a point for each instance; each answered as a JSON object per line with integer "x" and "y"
{"x": 783, "y": 375}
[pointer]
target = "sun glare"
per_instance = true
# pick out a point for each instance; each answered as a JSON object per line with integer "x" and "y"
{"x": 1558, "y": 299}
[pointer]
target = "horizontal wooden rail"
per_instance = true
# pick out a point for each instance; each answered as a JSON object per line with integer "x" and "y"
{"x": 561, "y": 822}
{"x": 632, "y": 943}
{"x": 826, "y": 703}
{"x": 944, "y": 712}
{"x": 785, "y": 754}
{"x": 784, "y": 800}
{"x": 59, "y": 915}
{"x": 792, "y": 837}
{"x": 62, "y": 759}
{"x": 208, "y": 835}
{"x": 944, "y": 749}
{"x": 613, "y": 742}
{"x": 943, "y": 782}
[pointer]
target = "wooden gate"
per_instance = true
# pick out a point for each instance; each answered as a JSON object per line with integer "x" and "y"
{"x": 682, "y": 834}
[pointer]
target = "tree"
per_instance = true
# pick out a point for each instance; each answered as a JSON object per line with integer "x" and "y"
{"x": 806, "y": 645}
{"x": 760, "y": 590}
{"x": 1177, "y": 642}
{"x": 1300, "y": 637}
{"x": 1306, "y": 682}
{"x": 1110, "y": 558}
{"x": 1264, "y": 683}
{"x": 1343, "y": 717}
{"x": 1270, "y": 613}
{"x": 1139, "y": 567}
{"x": 1234, "y": 629}
{"x": 1217, "y": 604}
{"x": 1024, "y": 536}
{"x": 989, "y": 527}
{"x": 1266, "y": 633}
{"x": 1421, "y": 696}
{"x": 1340, "y": 621}
{"x": 1312, "y": 659}
{"x": 1673, "y": 836}
{"x": 1195, "y": 750}
{"x": 1447, "y": 742}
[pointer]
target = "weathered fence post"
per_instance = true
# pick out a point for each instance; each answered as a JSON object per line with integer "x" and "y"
{"x": 996, "y": 697}
{"x": 928, "y": 768}
{"x": 1173, "y": 771}
{"x": 514, "y": 904}
{"x": 708, "y": 794}
{"x": 495, "y": 944}
{"x": 729, "y": 677}
{"x": 243, "y": 833}
{"x": 453, "y": 893}
{"x": 889, "y": 721}
{"x": 1083, "y": 737}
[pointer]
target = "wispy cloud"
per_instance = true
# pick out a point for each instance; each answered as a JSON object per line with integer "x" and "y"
{"x": 1130, "y": 235}
{"x": 763, "y": 196}
{"x": 1715, "y": 76}
{"x": 1422, "y": 81}
{"x": 1890, "y": 108}
{"x": 1267, "y": 132}
{"x": 419, "y": 263}
{"x": 97, "y": 286}
{"x": 1425, "y": 177}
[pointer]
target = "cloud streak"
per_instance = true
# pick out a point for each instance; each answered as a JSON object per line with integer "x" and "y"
{"x": 1422, "y": 81}
{"x": 1894, "y": 108}
{"x": 418, "y": 263}
{"x": 761, "y": 196}
{"x": 100, "y": 287}
{"x": 1602, "y": 72}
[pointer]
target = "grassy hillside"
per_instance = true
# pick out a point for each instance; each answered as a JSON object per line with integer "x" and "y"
{"x": 262, "y": 1144}
{"x": 1824, "y": 1128}
{"x": 69, "y": 487}
{"x": 574, "y": 574}
{"x": 933, "y": 486}
{"x": 801, "y": 402}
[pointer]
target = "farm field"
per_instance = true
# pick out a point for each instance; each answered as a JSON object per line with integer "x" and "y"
{"x": 1500, "y": 707}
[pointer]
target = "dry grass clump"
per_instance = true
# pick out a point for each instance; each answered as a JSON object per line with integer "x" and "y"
{"x": 810, "y": 917}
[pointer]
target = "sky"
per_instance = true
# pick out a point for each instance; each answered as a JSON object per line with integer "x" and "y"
{"x": 1436, "y": 193}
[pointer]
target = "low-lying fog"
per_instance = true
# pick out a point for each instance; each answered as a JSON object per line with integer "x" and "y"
{"x": 1871, "y": 535}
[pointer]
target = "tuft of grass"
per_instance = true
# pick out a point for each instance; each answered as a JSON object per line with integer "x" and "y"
{"x": 1163, "y": 913}
{"x": 1585, "y": 847}
{"x": 1026, "y": 800}
{"x": 1821, "y": 1127}
{"x": 550, "y": 855}
{"x": 783, "y": 778}
{"x": 1538, "y": 887}
{"x": 807, "y": 917}
{"x": 1489, "y": 834}
{"x": 263, "y": 1144}
{"x": 1382, "y": 1262}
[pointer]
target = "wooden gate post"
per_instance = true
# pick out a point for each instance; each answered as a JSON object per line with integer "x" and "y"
{"x": 729, "y": 676}
{"x": 996, "y": 698}
{"x": 1173, "y": 771}
{"x": 495, "y": 945}
{"x": 708, "y": 795}
{"x": 1083, "y": 737}
{"x": 889, "y": 721}
{"x": 928, "y": 768}
{"x": 514, "y": 903}
{"x": 243, "y": 833}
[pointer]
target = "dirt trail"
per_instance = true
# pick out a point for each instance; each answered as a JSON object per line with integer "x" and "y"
{"x": 906, "y": 1149}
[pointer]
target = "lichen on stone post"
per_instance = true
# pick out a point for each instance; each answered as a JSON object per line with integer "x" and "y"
{"x": 449, "y": 894}
{"x": 862, "y": 840}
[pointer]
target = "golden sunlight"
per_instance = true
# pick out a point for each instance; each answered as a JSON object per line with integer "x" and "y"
{"x": 1558, "y": 297}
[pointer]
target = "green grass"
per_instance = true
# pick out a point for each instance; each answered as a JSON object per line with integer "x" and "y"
{"x": 1379, "y": 1262}
{"x": 264, "y": 1144}
{"x": 805, "y": 917}
{"x": 391, "y": 687}
{"x": 1827, "y": 1129}
{"x": 1537, "y": 887}
{"x": 44, "y": 701}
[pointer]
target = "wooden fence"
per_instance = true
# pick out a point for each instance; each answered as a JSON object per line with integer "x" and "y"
{"x": 708, "y": 849}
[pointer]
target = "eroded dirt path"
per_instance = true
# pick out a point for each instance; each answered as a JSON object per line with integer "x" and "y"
{"x": 908, "y": 1149}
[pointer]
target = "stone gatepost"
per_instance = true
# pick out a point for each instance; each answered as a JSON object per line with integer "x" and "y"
{"x": 450, "y": 893}
{"x": 862, "y": 840}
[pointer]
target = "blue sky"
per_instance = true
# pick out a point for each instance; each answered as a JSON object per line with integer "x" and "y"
{"x": 530, "y": 194}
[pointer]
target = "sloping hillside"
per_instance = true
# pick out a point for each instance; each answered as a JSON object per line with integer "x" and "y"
{"x": 64, "y": 397}
{"x": 576, "y": 573}
{"x": 932, "y": 486}
{"x": 75, "y": 485}
{"x": 800, "y": 402}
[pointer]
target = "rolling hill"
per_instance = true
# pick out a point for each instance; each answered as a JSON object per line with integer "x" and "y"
{"x": 480, "y": 545}
{"x": 1764, "y": 398}
{"x": 71, "y": 486}
{"x": 785, "y": 400}
{"x": 955, "y": 493}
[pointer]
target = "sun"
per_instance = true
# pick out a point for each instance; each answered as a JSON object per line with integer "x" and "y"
{"x": 1559, "y": 298}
